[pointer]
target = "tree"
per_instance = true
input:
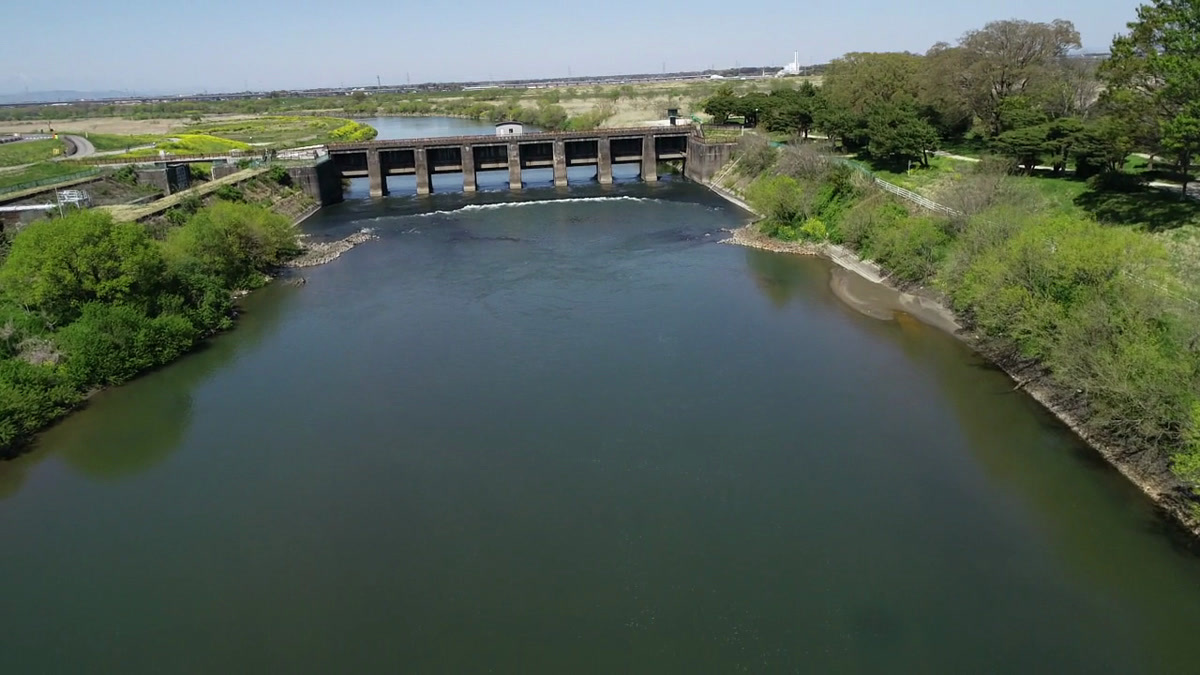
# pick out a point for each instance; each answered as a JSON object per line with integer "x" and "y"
{"x": 1154, "y": 75}
{"x": 721, "y": 104}
{"x": 1011, "y": 58}
{"x": 896, "y": 132}
{"x": 793, "y": 110}
{"x": 57, "y": 266}
{"x": 1061, "y": 136}
{"x": 940, "y": 91}
{"x": 1027, "y": 146}
{"x": 232, "y": 242}
{"x": 1101, "y": 145}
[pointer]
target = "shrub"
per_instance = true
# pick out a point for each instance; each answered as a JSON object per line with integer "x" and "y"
{"x": 814, "y": 229}
{"x": 280, "y": 175}
{"x": 912, "y": 248}
{"x": 58, "y": 266}
{"x": 755, "y": 154}
{"x": 231, "y": 242}
{"x": 230, "y": 193}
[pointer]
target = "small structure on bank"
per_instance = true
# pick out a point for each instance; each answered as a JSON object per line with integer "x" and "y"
{"x": 509, "y": 128}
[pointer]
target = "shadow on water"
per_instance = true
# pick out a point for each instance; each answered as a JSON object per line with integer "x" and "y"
{"x": 1097, "y": 522}
{"x": 129, "y": 429}
{"x": 783, "y": 278}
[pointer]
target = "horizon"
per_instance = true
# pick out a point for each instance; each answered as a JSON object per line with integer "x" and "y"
{"x": 299, "y": 46}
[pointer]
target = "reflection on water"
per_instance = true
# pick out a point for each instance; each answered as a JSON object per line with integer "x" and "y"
{"x": 131, "y": 428}
{"x": 578, "y": 437}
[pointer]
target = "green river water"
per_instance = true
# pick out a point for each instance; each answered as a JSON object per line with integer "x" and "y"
{"x": 577, "y": 436}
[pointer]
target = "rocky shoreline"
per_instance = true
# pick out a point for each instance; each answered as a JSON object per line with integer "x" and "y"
{"x": 319, "y": 253}
{"x": 1159, "y": 485}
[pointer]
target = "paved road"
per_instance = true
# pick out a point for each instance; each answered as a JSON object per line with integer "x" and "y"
{"x": 83, "y": 147}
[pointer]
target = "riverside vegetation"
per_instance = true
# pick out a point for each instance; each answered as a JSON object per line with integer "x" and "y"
{"x": 1099, "y": 312}
{"x": 86, "y": 302}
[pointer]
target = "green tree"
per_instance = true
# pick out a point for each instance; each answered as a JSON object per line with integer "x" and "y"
{"x": 1153, "y": 75}
{"x": 233, "y": 242}
{"x": 57, "y": 266}
{"x": 1026, "y": 146}
{"x": 1011, "y": 58}
{"x": 897, "y": 133}
{"x": 721, "y": 104}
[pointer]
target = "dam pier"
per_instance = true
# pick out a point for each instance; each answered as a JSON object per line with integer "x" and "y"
{"x": 602, "y": 148}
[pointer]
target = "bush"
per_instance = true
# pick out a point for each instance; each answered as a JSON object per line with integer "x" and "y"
{"x": 109, "y": 344}
{"x": 912, "y": 248}
{"x": 280, "y": 175}
{"x": 232, "y": 242}
{"x": 230, "y": 193}
{"x": 126, "y": 174}
{"x": 755, "y": 154}
{"x": 1116, "y": 181}
{"x": 58, "y": 266}
{"x": 30, "y": 397}
{"x": 200, "y": 171}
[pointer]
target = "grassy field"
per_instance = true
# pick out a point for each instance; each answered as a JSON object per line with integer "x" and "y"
{"x": 37, "y": 172}
{"x": 920, "y": 179}
{"x": 276, "y": 131}
{"x": 109, "y": 142}
{"x": 191, "y": 144}
{"x": 28, "y": 152}
{"x": 1148, "y": 208}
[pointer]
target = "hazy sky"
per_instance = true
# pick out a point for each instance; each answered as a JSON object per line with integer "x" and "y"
{"x": 222, "y": 45}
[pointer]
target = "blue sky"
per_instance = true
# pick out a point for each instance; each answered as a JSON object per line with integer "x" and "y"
{"x": 221, "y": 45}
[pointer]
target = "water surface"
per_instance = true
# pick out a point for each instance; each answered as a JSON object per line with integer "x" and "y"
{"x": 577, "y": 435}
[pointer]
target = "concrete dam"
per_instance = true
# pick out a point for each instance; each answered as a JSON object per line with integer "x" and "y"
{"x": 602, "y": 148}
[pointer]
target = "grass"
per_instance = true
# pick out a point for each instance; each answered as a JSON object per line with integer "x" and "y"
{"x": 967, "y": 147}
{"x": 28, "y": 152}
{"x": 721, "y": 134}
{"x": 109, "y": 142}
{"x": 1148, "y": 208}
{"x": 275, "y": 130}
{"x": 37, "y": 172}
{"x": 192, "y": 144}
{"x": 918, "y": 178}
{"x": 1163, "y": 170}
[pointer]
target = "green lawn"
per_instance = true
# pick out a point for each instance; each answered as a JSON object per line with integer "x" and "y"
{"x": 967, "y": 147}
{"x": 1149, "y": 208}
{"x": 917, "y": 178}
{"x": 28, "y": 152}
{"x": 721, "y": 134}
{"x": 37, "y": 172}
{"x": 109, "y": 142}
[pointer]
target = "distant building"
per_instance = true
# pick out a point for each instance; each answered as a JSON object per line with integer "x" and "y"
{"x": 509, "y": 128}
{"x": 792, "y": 68}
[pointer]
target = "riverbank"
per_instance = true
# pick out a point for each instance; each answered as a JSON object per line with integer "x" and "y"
{"x": 54, "y": 362}
{"x": 867, "y": 288}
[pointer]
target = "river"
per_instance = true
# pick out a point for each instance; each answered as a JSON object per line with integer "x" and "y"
{"x": 567, "y": 431}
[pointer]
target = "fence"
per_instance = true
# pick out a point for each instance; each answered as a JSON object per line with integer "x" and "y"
{"x": 49, "y": 181}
